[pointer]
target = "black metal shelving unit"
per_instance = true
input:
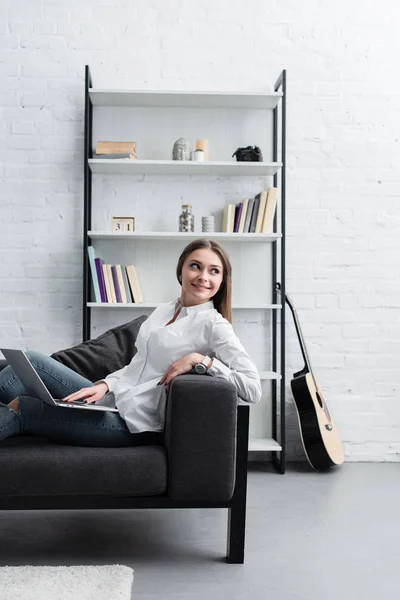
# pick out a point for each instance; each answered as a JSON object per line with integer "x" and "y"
{"x": 278, "y": 256}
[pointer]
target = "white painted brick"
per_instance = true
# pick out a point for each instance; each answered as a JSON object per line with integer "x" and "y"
{"x": 21, "y": 127}
{"x": 45, "y": 27}
{"x": 39, "y": 42}
{"x": 8, "y": 42}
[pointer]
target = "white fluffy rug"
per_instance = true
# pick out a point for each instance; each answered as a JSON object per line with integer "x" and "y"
{"x": 107, "y": 582}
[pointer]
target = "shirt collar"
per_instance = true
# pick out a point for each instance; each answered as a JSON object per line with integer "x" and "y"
{"x": 196, "y": 308}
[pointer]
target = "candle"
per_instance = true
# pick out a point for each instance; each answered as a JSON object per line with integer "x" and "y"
{"x": 203, "y": 145}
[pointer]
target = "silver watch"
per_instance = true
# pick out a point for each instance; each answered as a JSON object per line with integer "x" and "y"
{"x": 201, "y": 368}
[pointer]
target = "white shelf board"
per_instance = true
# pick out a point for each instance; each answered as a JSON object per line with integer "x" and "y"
{"x": 184, "y": 99}
{"x": 155, "y": 304}
{"x": 173, "y": 236}
{"x": 127, "y": 166}
{"x": 263, "y": 445}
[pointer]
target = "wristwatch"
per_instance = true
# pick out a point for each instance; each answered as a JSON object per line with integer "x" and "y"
{"x": 201, "y": 368}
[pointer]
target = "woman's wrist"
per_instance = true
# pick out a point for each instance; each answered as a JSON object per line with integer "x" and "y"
{"x": 196, "y": 358}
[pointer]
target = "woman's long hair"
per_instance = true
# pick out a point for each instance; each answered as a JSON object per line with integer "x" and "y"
{"x": 223, "y": 298}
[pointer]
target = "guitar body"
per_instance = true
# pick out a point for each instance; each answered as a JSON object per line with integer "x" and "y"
{"x": 320, "y": 437}
{"x": 321, "y": 440}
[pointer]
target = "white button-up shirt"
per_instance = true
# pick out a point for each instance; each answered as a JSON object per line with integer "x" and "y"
{"x": 200, "y": 328}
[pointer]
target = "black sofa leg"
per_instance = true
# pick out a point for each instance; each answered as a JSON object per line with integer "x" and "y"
{"x": 237, "y": 512}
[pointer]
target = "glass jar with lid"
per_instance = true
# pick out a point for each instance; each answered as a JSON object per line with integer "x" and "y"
{"x": 186, "y": 218}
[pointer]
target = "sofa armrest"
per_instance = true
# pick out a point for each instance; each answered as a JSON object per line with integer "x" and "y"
{"x": 200, "y": 438}
{"x": 3, "y": 363}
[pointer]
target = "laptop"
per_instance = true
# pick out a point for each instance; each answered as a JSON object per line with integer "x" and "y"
{"x": 34, "y": 385}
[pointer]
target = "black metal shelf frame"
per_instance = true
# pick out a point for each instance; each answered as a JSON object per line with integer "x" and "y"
{"x": 278, "y": 257}
{"x": 278, "y": 424}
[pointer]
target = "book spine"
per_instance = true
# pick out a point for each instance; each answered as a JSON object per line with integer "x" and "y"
{"x": 111, "y": 284}
{"x": 231, "y": 217}
{"x": 243, "y": 215}
{"x": 238, "y": 213}
{"x": 107, "y": 283}
{"x": 126, "y": 284}
{"x": 116, "y": 284}
{"x": 131, "y": 282}
{"x": 255, "y": 213}
{"x": 121, "y": 284}
{"x": 92, "y": 256}
{"x": 115, "y": 147}
{"x": 268, "y": 221}
{"x": 248, "y": 215}
{"x": 114, "y": 155}
{"x": 134, "y": 283}
{"x": 100, "y": 277}
{"x": 261, "y": 210}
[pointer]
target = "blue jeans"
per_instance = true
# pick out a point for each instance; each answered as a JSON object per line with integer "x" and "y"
{"x": 76, "y": 427}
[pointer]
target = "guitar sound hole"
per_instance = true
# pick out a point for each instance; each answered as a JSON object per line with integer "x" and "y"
{"x": 320, "y": 400}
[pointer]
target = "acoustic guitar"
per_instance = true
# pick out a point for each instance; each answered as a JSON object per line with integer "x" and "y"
{"x": 320, "y": 437}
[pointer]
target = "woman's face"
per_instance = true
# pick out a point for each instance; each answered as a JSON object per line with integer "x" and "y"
{"x": 202, "y": 274}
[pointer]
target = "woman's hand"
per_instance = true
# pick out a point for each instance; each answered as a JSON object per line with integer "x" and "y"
{"x": 180, "y": 366}
{"x": 91, "y": 394}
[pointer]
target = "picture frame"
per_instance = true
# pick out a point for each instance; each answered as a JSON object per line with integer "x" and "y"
{"x": 123, "y": 224}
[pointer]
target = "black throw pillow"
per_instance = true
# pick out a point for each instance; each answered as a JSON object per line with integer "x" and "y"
{"x": 97, "y": 358}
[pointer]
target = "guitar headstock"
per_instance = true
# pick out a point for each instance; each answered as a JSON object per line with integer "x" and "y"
{"x": 287, "y": 297}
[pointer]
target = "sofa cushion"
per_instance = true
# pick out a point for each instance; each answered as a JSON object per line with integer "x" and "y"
{"x": 33, "y": 466}
{"x": 97, "y": 358}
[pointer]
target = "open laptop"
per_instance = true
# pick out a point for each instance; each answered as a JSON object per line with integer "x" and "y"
{"x": 34, "y": 385}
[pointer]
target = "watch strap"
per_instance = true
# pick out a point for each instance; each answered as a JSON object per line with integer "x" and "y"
{"x": 206, "y": 361}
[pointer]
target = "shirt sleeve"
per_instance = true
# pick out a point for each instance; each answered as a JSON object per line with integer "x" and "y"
{"x": 232, "y": 362}
{"x": 112, "y": 379}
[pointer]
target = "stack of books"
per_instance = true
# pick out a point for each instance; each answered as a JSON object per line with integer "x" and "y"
{"x": 115, "y": 150}
{"x": 254, "y": 215}
{"x": 114, "y": 283}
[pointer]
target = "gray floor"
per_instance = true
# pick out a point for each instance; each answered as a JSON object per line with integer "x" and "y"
{"x": 310, "y": 536}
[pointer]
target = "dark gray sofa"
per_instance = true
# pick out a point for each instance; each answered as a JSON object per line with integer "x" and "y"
{"x": 201, "y": 461}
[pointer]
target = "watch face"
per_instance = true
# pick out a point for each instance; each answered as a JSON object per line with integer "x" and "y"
{"x": 200, "y": 369}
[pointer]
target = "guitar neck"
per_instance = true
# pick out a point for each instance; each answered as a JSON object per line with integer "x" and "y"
{"x": 307, "y": 366}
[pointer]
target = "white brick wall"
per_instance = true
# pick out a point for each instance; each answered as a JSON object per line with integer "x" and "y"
{"x": 343, "y": 178}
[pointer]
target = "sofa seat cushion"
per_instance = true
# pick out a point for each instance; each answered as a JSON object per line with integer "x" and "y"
{"x": 33, "y": 466}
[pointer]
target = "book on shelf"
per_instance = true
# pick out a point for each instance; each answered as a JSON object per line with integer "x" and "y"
{"x": 100, "y": 278}
{"x": 107, "y": 283}
{"x": 95, "y": 281}
{"x": 261, "y": 210}
{"x": 228, "y": 218}
{"x": 243, "y": 215}
{"x": 115, "y": 148}
{"x": 134, "y": 284}
{"x": 129, "y": 298}
{"x": 121, "y": 284}
{"x": 114, "y": 155}
{"x": 252, "y": 228}
{"x": 117, "y": 290}
{"x": 111, "y": 284}
{"x": 249, "y": 212}
{"x": 270, "y": 208}
{"x": 238, "y": 212}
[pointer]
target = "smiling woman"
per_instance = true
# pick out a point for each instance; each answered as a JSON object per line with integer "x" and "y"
{"x": 201, "y": 277}
{"x": 192, "y": 332}
{"x": 204, "y": 271}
